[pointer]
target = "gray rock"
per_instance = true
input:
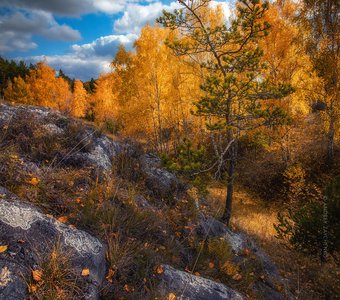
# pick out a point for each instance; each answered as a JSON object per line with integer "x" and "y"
{"x": 267, "y": 288}
{"x": 53, "y": 129}
{"x": 190, "y": 287}
{"x": 159, "y": 181}
{"x": 142, "y": 203}
{"x": 9, "y": 111}
{"x": 12, "y": 287}
{"x": 21, "y": 221}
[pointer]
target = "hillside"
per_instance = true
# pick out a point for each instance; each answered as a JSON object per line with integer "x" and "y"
{"x": 82, "y": 215}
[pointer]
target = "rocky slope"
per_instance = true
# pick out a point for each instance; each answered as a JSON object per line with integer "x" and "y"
{"x": 123, "y": 226}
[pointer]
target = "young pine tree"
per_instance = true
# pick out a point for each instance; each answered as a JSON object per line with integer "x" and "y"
{"x": 234, "y": 85}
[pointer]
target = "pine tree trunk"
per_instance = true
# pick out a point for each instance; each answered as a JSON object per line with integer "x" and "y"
{"x": 230, "y": 189}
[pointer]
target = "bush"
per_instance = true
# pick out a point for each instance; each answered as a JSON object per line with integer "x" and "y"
{"x": 294, "y": 180}
{"x": 188, "y": 159}
{"x": 314, "y": 226}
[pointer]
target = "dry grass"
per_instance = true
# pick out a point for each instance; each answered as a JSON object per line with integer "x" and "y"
{"x": 55, "y": 278}
{"x": 249, "y": 213}
{"x": 309, "y": 279}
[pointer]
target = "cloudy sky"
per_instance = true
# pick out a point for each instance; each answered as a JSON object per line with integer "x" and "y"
{"x": 79, "y": 36}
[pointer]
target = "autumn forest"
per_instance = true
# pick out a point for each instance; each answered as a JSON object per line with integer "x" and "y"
{"x": 244, "y": 110}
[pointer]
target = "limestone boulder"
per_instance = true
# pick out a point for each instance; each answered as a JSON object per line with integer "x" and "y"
{"x": 30, "y": 236}
{"x": 190, "y": 287}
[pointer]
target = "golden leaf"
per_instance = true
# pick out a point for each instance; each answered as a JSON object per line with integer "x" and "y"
{"x": 32, "y": 288}
{"x": 159, "y": 269}
{"x": 237, "y": 277}
{"x": 246, "y": 251}
{"x": 34, "y": 181}
{"x": 62, "y": 219}
{"x": 172, "y": 296}
{"x": 37, "y": 274}
{"x": 3, "y": 248}
{"x": 126, "y": 288}
{"x": 85, "y": 272}
{"x": 110, "y": 274}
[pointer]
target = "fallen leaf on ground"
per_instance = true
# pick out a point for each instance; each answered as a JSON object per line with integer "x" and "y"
{"x": 62, "y": 219}
{"x": 246, "y": 251}
{"x": 127, "y": 288}
{"x": 237, "y": 277}
{"x": 109, "y": 276}
{"x": 3, "y": 248}
{"x": 37, "y": 274}
{"x": 160, "y": 269}
{"x": 172, "y": 296}
{"x": 34, "y": 181}
{"x": 85, "y": 272}
{"x": 32, "y": 288}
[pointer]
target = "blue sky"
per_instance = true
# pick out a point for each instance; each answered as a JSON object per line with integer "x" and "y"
{"x": 79, "y": 36}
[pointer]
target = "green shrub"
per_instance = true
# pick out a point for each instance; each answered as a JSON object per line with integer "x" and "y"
{"x": 314, "y": 226}
{"x": 188, "y": 161}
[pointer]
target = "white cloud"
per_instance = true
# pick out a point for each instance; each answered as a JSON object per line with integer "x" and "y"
{"x": 104, "y": 46}
{"x": 87, "y": 60}
{"x": 74, "y": 66}
{"x": 83, "y": 60}
{"x": 70, "y": 7}
{"x": 136, "y": 16}
{"x": 18, "y": 28}
{"x": 20, "y": 42}
{"x": 225, "y": 7}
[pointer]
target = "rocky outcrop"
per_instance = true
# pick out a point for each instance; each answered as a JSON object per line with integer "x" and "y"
{"x": 271, "y": 285}
{"x": 159, "y": 181}
{"x": 91, "y": 149}
{"x": 190, "y": 287}
{"x": 31, "y": 236}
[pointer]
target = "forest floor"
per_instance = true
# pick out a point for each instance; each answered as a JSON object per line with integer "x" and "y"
{"x": 308, "y": 277}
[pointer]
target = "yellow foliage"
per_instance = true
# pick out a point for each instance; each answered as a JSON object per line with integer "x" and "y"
{"x": 286, "y": 58}
{"x": 48, "y": 90}
{"x": 18, "y": 91}
{"x": 79, "y": 100}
